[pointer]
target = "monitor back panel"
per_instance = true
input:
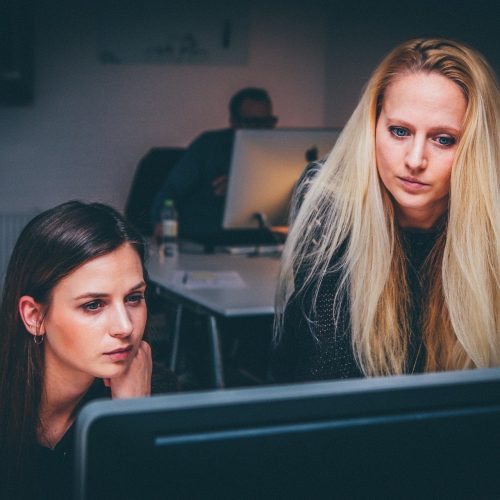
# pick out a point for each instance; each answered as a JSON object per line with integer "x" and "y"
{"x": 441, "y": 441}
{"x": 265, "y": 166}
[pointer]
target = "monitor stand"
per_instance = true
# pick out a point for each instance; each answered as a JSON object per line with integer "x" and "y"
{"x": 275, "y": 244}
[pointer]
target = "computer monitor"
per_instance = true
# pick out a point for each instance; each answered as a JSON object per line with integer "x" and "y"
{"x": 265, "y": 166}
{"x": 417, "y": 436}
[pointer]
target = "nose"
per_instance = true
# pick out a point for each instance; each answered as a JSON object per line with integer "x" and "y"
{"x": 416, "y": 156}
{"x": 120, "y": 324}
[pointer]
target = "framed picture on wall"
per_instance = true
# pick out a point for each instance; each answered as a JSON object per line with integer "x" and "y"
{"x": 173, "y": 32}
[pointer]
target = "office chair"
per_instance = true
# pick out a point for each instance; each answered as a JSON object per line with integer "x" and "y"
{"x": 148, "y": 179}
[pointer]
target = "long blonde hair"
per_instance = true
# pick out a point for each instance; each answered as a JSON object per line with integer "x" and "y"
{"x": 348, "y": 205}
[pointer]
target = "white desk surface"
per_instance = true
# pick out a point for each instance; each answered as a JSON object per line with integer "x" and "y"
{"x": 256, "y": 297}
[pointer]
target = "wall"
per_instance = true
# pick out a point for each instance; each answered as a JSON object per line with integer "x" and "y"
{"x": 91, "y": 123}
{"x": 361, "y": 35}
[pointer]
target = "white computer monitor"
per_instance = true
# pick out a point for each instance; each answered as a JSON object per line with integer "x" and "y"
{"x": 265, "y": 166}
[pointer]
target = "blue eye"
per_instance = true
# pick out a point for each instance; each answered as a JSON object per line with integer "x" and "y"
{"x": 398, "y": 131}
{"x": 444, "y": 140}
{"x": 135, "y": 298}
{"x": 93, "y": 306}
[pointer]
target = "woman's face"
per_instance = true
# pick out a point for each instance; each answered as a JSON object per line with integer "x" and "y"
{"x": 417, "y": 135}
{"x": 96, "y": 318}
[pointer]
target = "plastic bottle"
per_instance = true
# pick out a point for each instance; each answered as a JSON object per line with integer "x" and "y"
{"x": 169, "y": 229}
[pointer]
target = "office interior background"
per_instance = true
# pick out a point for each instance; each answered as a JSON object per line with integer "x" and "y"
{"x": 90, "y": 122}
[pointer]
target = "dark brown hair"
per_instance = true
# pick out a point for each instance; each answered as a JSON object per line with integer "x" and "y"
{"x": 50, "y": 247}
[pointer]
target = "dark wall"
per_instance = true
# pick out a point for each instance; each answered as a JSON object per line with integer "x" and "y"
{"x": 364, "y": 31}
{"x": 16, "y": 52}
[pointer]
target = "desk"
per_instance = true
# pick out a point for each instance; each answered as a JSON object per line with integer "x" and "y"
{"x": 255, "y": 297}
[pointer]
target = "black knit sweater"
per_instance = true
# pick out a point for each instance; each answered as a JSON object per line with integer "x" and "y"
{"x": 49, "y": 475}
{"x": 315, "y": 347}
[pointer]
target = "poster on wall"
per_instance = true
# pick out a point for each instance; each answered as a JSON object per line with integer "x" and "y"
{"x": 173, "y": 32}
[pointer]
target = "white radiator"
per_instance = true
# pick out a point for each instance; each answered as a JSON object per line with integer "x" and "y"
{"x": 10, "y": 227}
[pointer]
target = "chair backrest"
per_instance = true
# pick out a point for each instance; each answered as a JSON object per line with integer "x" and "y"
{"x": 148, "y": 179}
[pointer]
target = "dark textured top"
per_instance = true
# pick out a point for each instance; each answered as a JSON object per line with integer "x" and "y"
{"x": 52, "y": 477}
{"x": 314, "y": 347}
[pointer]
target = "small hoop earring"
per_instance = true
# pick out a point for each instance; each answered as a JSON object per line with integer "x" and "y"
{"x": 38, "y": 339}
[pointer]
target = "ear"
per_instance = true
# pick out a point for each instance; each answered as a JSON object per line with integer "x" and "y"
{"x": 32, "y": 315}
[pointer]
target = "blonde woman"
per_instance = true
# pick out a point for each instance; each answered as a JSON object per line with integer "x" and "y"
{"x": 392, "y": 264}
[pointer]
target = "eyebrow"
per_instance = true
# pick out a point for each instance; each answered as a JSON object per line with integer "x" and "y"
{"x": 98, "y": 295}
{"x": 437, "y": 128}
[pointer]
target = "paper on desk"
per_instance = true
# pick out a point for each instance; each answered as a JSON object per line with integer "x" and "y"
{"x": 208, "y": 279}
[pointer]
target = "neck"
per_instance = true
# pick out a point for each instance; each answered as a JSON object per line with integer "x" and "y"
{"x": 418, "y": 220}
{"x": 58, "y": 406}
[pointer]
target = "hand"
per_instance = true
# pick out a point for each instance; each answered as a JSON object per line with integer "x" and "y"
{"x": 135, "y": 382}
{"x": 219, "y": 185}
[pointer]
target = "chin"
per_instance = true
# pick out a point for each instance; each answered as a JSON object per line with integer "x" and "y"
{"x": 411, "y": 203}
{"x": 113, "y": 371}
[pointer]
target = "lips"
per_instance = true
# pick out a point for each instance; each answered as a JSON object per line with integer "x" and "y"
{"x": 120, "y": 354}
{"x": 412, "y": 180}
{"x": 121, "y": 349}
{"x": 411, "y": 184}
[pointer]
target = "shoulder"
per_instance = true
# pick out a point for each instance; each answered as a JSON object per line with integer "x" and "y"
{"x": 309, "y": 174}
{"x": 312, "y": 170}
{"x": 303, "y": 184}
{"x": 212, "y": 137}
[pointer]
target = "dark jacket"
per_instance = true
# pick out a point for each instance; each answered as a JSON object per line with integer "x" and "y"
{"x": 189, "y": 183}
